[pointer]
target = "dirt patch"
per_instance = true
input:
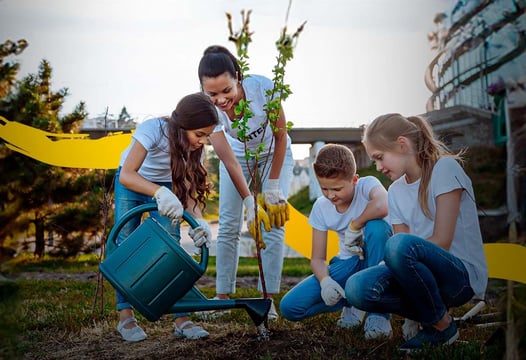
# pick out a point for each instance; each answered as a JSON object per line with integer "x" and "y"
{"x": 233, "y": 336}
{"x": 225, "y": 342}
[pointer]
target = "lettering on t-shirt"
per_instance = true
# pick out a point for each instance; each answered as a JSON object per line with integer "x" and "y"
{"x": 253, "y": 135}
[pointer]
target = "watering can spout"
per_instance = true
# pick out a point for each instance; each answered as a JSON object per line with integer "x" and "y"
{"x": 194, "y": 300}
{"x": 257, "y": 309}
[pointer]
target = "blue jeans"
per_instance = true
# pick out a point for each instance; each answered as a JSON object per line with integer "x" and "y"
{"x": 304, "y": 300}
{"x": 419, "y": 281}
{"x": 231, "y": 221}
{"x": 125, "y": 200}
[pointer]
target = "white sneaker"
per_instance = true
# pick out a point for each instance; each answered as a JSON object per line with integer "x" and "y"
{"x": 212, "y": 314}
{"x": 377, "y": 326}
{"x": 193, "y": 332}
{"x": 410, "y": 328}
{"x": 272, "y": 313}
{"x": 350, "y": 317}
{"x": 133, "y": 334}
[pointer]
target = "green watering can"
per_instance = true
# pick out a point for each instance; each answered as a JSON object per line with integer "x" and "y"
{"x": 157, "y": 276}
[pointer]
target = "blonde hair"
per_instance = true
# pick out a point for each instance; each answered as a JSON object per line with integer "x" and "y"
{"x": 383, "y": 133}
{"x": 334, "y": 160}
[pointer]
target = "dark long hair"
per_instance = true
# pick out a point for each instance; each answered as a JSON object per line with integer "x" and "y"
{"x": 217, "y": 60}
{"x": 189, "y": 176}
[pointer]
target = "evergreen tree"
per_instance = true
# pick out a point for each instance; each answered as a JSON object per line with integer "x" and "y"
{"x": 125, "y": 121}
{"x": 8, "y": 70}
{"x": 36, "y": 197}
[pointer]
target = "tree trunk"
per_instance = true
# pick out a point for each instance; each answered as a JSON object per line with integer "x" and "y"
{"x": 40, "y": 241}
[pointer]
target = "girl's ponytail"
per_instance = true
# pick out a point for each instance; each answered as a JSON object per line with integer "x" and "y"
{"x": 428, "y": 150}
{"x": 216, "y": 61}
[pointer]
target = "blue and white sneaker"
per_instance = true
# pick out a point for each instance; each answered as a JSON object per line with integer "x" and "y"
{"x": 432, "y": 337}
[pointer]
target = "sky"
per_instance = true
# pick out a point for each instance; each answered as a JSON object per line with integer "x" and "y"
{"x": 354, "y": 60}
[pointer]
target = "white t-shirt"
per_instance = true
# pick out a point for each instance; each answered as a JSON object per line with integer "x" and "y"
{"x": 324, "y": 216}
{"x": 153, "y": 136}
{"x": 447, "y": 176}
{"x": 255, "y": 87}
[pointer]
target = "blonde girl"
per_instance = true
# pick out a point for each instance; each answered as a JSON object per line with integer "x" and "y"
{"x": 435, "y": 259}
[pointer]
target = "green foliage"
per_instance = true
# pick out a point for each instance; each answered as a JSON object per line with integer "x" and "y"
{"x": 371, "y": 171}
{"x": 486, "y": 166}
{"x": 301, "y": 201}
{"x": 9, "y": 69}
{"x": 10, "y": 313}
{"x": 285, "y": 46}
{"x": 272, "y": 108}
{"x": 281, "y": 91}
{"x": 36, "y": 197}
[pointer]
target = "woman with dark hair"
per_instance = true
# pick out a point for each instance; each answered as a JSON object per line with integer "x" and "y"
{"x": 221, "y": 79}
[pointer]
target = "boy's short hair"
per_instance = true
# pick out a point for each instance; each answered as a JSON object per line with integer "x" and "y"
{"x": 334, "y": 160}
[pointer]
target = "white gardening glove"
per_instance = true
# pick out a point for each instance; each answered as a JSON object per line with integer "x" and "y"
{"x": 202, "y": 234}
{"x": 410, "y": 328}
{"x": 353, "y": 242}
{"x": 331, "y": 291}
{"x": 248, "y": 202}
{"x": 275, "y": 204}
{"x": 168, "y": 204}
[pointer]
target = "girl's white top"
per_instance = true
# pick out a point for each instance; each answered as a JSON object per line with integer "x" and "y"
{"x": 255, "y": 87}
{"x": 152, "y": 134}
{"x": 325, "y": 217}
{"x": 447, "y": 176}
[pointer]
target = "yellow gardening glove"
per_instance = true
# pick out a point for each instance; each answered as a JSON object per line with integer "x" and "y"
{"x": 277, "y": 219}
{"x": 263, "y": 220}
{"x": 275, "y": 204}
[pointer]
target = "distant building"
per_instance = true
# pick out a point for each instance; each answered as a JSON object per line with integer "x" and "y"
{"x": 478, "y": 83}
{"x": 480, "y": 50}
{"x": 300, "y": 176}
{"x": 480, "y": 47}
{"x": 109, "y": 122}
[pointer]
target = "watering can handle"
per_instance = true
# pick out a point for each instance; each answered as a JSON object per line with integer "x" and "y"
{"x": 112, "y": 237}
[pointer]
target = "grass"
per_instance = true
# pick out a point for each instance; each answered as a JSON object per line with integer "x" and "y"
{"x": 248, "y": 266}
{"x": 55, "y": 319}
{"x": 29, "y": 263}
